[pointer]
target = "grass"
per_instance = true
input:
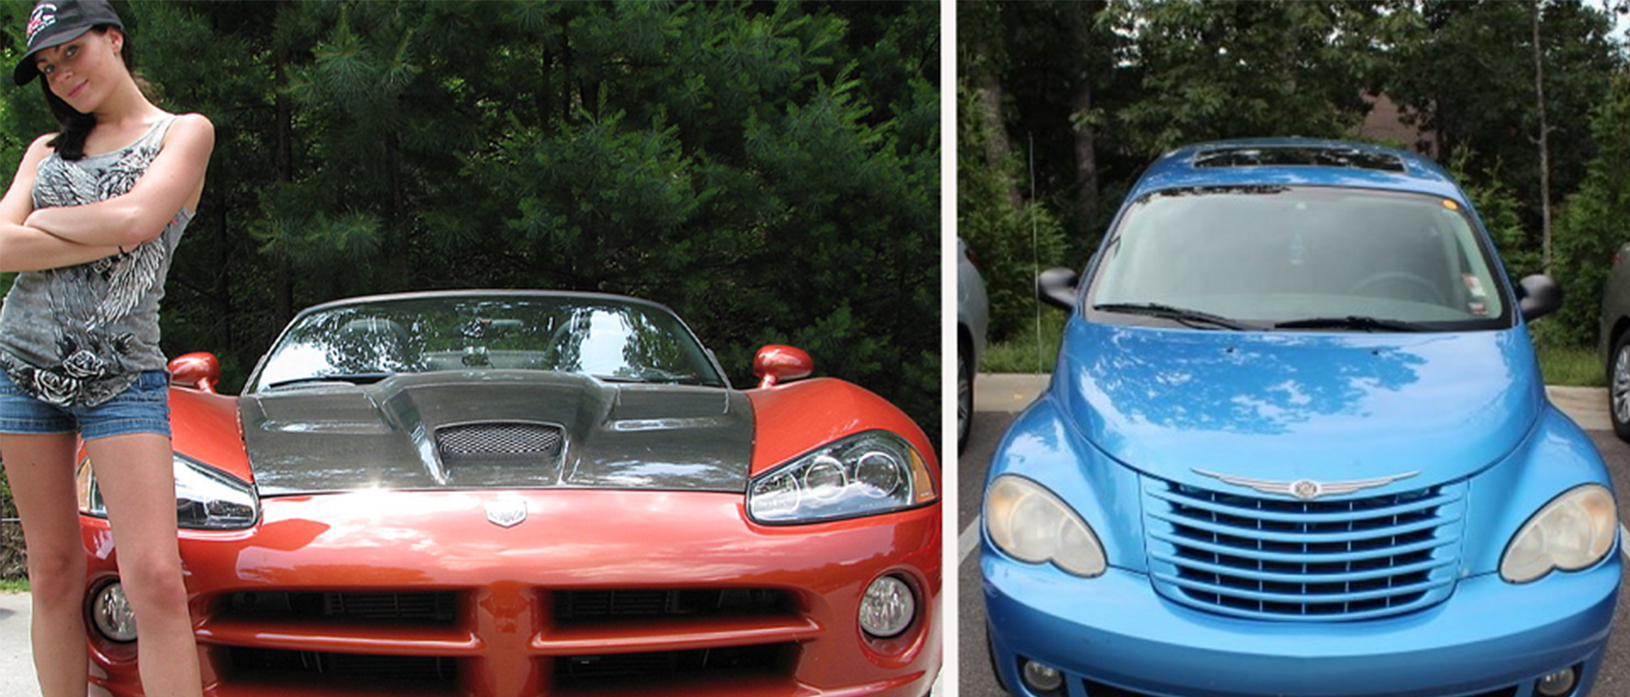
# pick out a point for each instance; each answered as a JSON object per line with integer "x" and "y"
{"x": 1020, "y": 354}
{"x": 1572, "y": 366}
{"x": 15, "y": 585}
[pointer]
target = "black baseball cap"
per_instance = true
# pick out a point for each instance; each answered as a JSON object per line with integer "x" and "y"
{"x": 56, "y": 22}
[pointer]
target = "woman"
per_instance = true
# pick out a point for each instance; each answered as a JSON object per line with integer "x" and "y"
{"x": 92, "y": 219}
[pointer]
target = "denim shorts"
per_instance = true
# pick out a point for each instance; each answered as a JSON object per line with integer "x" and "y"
{"x": 144, "y": 407}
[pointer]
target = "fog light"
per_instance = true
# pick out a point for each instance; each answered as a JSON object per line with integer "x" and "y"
{"x": 1556, "y": 684}
{"x": 887, "y": 608}
{"x": 1041, "y": 677}
{"x": 111, "y": 613}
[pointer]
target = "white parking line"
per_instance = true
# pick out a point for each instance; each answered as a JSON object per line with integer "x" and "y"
{"x": 968, "y": 541}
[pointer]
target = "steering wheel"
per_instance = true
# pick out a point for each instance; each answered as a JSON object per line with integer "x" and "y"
{"x": 1401, "y": 278}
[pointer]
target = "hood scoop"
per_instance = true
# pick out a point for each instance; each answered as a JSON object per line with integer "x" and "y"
{"x": 479, "y": 452}
{"x": 498, "y": 429}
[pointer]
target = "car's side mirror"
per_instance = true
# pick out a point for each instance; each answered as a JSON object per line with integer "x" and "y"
{"x": 1056, "y": 287}
{"x": 776, "y": 364}
{"x": 1538, "y": 296}
{"x": 199, "y": 371}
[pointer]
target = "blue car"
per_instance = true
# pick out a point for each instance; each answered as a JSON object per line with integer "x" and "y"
{"x": 1297, "y": 444}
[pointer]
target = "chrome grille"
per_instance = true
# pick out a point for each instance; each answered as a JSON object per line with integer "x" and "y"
{"x": 1346, "y": 558}
{"x": 498, "y": 441}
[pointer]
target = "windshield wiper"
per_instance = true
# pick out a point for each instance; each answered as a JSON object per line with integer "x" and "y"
{"x": 353, "y": 378}
{"x": 1359, "y": 322}
{"x": 1191, "y": 318}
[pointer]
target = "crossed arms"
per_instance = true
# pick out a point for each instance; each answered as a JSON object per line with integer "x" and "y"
{"x": 47, "y": 238}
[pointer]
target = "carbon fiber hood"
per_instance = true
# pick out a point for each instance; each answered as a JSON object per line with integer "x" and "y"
{"x": 393, "y": 434}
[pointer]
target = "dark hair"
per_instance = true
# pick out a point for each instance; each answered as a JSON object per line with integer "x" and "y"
{"x": 70, "y": 142}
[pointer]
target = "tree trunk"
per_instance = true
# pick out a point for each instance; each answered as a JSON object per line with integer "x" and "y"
{"x": 998, "y": 151}
{"x": 1543, "y": 141}
{"x": 1086, "y": 158}
{"x": 283, "y": 161}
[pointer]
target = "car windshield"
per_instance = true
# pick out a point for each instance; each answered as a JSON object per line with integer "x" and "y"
{"x": 1265, "y": 256}
{"x": 603, "y": 337}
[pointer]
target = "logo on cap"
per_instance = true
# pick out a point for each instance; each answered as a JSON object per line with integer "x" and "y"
{"x": 44, "y": 15}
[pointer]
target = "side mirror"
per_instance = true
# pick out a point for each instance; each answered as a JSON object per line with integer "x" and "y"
{"x": 1538, "y": 296}
{"x": 1056, "y": 287}
{"x": 776, "y": 364}
{"x": 199, "y": 371}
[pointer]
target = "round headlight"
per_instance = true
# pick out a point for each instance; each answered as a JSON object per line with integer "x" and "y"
{"x": 824, "y": 480}
{"x": 1031, "y": 524}
{"x": 1573, "y": 531}
{"x": 887, "y": 608}
{"x": 879, "y": 472}
{"x": 112, "y": 615}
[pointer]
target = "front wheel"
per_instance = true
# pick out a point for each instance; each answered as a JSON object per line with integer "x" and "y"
{"x": 1618, "y": 386}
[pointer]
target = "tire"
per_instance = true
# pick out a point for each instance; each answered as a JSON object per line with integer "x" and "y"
{"x": 1618, "y": 386}
{"x": 964, "y": 401}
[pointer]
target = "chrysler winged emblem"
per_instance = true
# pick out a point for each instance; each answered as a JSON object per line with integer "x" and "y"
{"x": 506, "y": 513}
{"x": 1306, "y": 489}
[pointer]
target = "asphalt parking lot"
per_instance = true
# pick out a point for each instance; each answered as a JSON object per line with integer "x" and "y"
{"x": 998, "y": 398}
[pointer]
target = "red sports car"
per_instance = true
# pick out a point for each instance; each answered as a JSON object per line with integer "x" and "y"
{"x": 514, "y": 494}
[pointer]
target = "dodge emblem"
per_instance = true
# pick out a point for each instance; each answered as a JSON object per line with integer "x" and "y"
{"x": 506, "y": 514}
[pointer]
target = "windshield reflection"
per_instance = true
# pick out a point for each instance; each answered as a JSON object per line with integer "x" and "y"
{"x": 604, "y": 337}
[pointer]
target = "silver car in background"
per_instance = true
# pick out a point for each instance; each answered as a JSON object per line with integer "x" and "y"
{"x": 972, "y": 314}
{"x": 1615, "y": 341}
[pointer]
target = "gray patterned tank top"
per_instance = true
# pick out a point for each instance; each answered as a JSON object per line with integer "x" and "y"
{"x": 79, "y": 335}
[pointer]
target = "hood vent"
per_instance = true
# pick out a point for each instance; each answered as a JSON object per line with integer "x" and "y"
{"x": 489, "y": 442}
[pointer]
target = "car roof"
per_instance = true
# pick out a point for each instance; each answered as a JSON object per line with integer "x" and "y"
{"x": 1296, "y": 161}
{"x": 483, "y": 293}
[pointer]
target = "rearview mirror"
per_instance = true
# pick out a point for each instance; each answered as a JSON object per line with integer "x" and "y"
{"x": 1538, "y": 296}
{"x": 199, "y": 371}
{"x": 777, "y": 363}
{"x": 1056, "y": 287}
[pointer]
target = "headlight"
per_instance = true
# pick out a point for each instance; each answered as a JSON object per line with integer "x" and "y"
{"x": 205, "y": 499}
{"x": 1573, "y": 531}
{"x": 1031, "y": 524}
{"x": 864, "y": 474}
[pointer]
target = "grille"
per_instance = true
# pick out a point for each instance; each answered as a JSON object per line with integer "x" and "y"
{"x": 1277, "y": 557}
{"x": 408, "y": 674}
{"x": 1098, "y": 689}
{"x": 424, "y": 607}
{"x": 574, "y": 670}
{"x": 601, "y": 604}
{"x": 499, "y": 441}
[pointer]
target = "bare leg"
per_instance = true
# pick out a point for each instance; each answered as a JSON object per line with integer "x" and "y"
{"x": 137, "y": 481}
{"x": 40, "y": 469}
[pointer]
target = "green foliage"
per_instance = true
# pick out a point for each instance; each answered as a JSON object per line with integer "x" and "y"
{"x": 1012, "y": 242}
{"x": 12, "y": 563}
{"x": 1591, "y": 225}
{"x": 1501, "y": 212}
{"x": 1206, "y": 71}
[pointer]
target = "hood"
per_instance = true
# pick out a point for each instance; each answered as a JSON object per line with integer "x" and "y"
{"x": 497, "y": 429}
{"x": 1289, "y": 406}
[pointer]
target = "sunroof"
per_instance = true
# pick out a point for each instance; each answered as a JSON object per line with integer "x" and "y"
{"x": 1292, "y": 156}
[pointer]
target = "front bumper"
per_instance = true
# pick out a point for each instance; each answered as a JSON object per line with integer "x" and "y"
{"x": 495, "y": 628}
{"x": 1489, "y": 638}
